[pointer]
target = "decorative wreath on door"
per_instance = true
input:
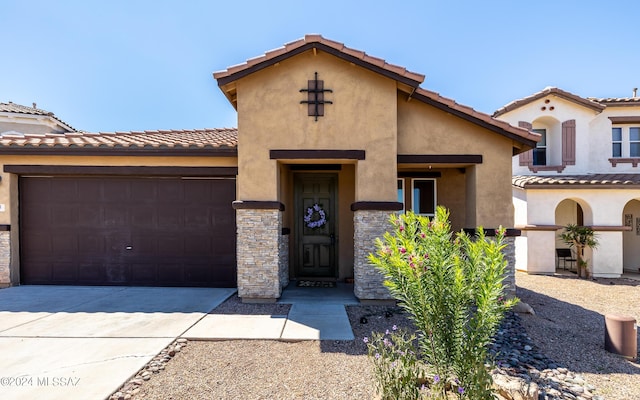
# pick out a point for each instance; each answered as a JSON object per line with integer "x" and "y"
{"x": 315, "y": 217}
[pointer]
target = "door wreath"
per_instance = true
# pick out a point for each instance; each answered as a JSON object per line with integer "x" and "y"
{"x": 315, "y": 217}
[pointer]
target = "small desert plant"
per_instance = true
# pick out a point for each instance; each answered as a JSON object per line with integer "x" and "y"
{"x": 580, "y": 237}
{"x": 396, "y": 367}
{"x": 452, "y": 290}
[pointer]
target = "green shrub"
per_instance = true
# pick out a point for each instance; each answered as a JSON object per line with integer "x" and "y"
{"x": 453, "y": 291}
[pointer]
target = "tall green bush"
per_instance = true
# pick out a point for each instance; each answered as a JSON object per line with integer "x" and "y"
{"x": 452, "y": 288}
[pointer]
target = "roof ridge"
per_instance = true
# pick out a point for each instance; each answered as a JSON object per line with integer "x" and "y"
{"x": 12, "y": 107}
{"x": 549, "y": 90}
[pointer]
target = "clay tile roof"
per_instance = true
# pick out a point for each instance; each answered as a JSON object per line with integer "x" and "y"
{"x": 317, "y": 41}
{"x": 589, "y": 103}
{"x": 588, "y": 181}
{"x": 223, "y": 140}
{"x": 14, "y": 108}
{"x": 616, "y": 100}
{"x": 485, "y": 120}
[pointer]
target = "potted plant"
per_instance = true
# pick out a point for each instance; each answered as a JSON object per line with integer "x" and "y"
{"x": 580, "y": 237}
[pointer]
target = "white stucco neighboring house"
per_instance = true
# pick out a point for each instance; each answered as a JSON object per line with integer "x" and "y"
{"x": 16, "y": 119}
{"x": 585, "y": 171}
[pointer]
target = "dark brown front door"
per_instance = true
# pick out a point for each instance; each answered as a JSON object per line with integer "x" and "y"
{"x": 127, "y": 231}
{"x": 316, "y": 224}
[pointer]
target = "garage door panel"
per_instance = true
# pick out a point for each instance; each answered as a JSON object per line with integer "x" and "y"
{"x": 171, "y": 272}
{"x": 166, "y": 190}
{"x": 89, "y": 215}
{"x": 170, "y": 217}
{"x": 114, "y": 190}
{"x": 197, "y": 218}
{"x": 91, "y": 273}
{"x": 64, "y": 272}
{"x": 90, "y": 243}
{"x": 128, "y": 231}
{"x": 117, "y": 273}
{"x": 143, "y": 216}
{"x": 142, "y": 273}
{"x": 65, "y": 242}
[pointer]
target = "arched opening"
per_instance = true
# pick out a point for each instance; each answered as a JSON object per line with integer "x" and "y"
{"x": 631, "y": 238}
{"x": 548, "y": 151}
{"x": 576, "y": 212}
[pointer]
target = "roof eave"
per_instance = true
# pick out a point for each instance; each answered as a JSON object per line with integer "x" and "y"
{"x": 527, "y": 143}
{"x": 120, "y": 151}
{"x": 597, "y": 107}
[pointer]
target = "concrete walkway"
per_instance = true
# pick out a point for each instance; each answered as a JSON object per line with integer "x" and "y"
{"x": 63, "y": 342}
{"x": 316, "y": 314}
{"x": 60, "y": 342}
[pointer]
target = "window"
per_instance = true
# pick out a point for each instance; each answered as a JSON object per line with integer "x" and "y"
{"x": 616, "y": 140}
{"x": 401, "y": 193}
{"x": 423, "y": 196}
{"x": 540, "y": 152}
{"x": 634, "y": 142}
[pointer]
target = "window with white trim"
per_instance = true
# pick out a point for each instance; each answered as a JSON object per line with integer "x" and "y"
{"x": 616, "y": 142}
{"x": 540, "y": 152}
{"x": 634, "y": 141}
{"x": 423, "y": 196}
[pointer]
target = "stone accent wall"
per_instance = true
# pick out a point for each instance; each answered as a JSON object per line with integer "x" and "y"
{"x": 510, "y": 256}
{"x": 284, "y": 260}
{"x": 259, "y": 237}
{"x": 367, "y": 226}
{"x": 5, "y": 259}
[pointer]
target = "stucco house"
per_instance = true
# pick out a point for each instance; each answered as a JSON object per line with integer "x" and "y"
{"x": 19, "y": 119}
{"x": 584, "y": 171}
{"x": 329, "y": 141}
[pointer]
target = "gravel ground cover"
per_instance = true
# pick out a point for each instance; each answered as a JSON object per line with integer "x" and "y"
{"x": 568, "y": 329}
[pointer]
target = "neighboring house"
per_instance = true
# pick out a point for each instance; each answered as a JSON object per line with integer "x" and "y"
{"x": 330, "y": 141}
{"x": 584, "y": 171}
{"x": 20, "y": 120}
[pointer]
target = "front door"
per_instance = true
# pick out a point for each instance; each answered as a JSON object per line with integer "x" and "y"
{"x": 316, "y": 223}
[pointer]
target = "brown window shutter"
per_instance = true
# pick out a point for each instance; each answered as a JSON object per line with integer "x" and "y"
{"x": 569, "y": 142}
{"x": 526, "y": 158}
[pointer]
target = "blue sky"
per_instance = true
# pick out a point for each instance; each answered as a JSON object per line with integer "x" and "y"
{"x": 123, "y": 65}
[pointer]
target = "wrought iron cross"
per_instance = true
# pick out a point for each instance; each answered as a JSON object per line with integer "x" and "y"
{"x": 315, "y": 97}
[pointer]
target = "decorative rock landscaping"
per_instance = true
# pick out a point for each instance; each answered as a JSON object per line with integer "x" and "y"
{"x": 130, "y": 389}
{"x": 523, "y": 369}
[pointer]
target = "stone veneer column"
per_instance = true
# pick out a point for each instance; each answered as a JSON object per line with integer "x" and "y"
{"x": 259, "y": 240}
{"x": 510, "y": 256}
{"x": 367, "y": 226}
{"x": 5, "y": 258}
{"x": 284, "y": 260}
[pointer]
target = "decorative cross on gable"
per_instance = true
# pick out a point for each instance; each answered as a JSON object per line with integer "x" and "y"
{"x": 315, "y": 97}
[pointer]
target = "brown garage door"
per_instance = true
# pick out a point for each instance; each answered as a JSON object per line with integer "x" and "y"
{"x": 127, "y": 231}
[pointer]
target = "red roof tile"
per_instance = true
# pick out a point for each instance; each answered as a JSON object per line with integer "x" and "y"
{"x": 224, "y": 140}
{"x": 272, "y": 56}
{"x": 587, "y": 181}
{"x": 616, "y": 100}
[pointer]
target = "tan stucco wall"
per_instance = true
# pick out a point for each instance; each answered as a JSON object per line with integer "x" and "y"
{"x": 362, "y": 117}
{"x": 423, "y": 129}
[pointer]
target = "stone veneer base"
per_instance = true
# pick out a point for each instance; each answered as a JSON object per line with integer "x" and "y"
{"x": 259, "y": 240}
{"x": 5, "y": 258}
{"x": 367, "y": 226}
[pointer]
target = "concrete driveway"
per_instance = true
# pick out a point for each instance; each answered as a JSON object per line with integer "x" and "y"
{"x": 62, "y": 342}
